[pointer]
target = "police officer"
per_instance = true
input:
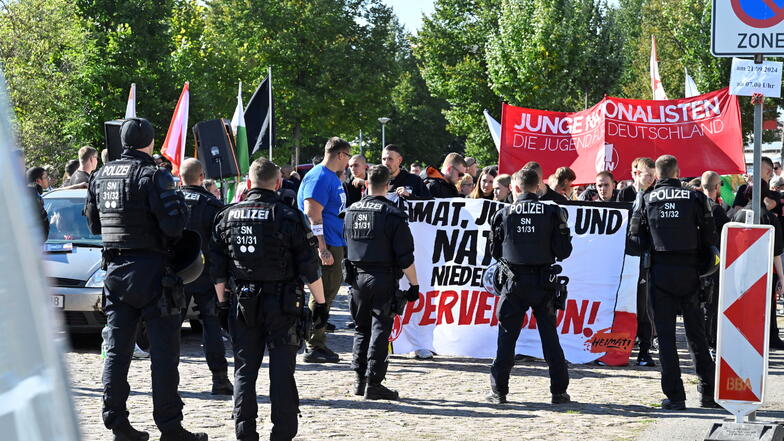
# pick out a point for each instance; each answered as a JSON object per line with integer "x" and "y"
{"x": 676, "y": 225}
{"x": 138, "y": 212}
{"x": 380, "y": 246}
{"x": 528, "y": 237}
{"x": 203, "y": 207}
{"x": 263, "y": 249}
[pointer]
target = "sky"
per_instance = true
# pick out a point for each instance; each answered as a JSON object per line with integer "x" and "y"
{"x": 410, "y": 11}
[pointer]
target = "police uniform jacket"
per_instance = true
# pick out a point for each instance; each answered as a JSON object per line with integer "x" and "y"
{"x": 262, "y": 239}
{"x": 530, "y": 233}
{"x": 673, "y": 220}
{"x": 203, "y": 206}
{"x": 134, "y": 205}
{"x": 377, "y": 234}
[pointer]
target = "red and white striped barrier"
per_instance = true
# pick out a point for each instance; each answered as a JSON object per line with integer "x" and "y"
{"x": 744, "y": 317}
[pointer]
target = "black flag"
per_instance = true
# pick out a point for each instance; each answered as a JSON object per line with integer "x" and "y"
{"x": 258, "y": 118}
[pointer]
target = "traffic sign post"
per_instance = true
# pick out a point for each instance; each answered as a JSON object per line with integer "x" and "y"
{"x": 744, "y": 323}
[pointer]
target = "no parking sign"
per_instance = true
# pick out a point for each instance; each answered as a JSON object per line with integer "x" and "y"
{"x": 747, "y": 27}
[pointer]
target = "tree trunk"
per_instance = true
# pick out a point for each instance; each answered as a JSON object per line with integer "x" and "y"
{"x": 297, "y": 135}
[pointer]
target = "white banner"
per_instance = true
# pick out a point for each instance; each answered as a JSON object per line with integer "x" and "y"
{"x": 456, "y": 316}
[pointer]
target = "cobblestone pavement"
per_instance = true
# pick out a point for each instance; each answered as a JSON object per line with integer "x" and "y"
{"x": 442, "y": 398}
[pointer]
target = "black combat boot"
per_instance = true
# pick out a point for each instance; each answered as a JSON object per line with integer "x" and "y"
{"x": 125, "y": 432}
{"x": 180, "y": 434}
{"x": 221, "y": 384}
{"x": 496, "y": 397}
{"x": 360, "y": 381}
{"x": 668, "y": 404}
{"x": 561, "y": 398}
{"x": 377, "y": 391}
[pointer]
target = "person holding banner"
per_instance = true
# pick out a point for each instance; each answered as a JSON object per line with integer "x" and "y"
{"x": 404, "y": 184}
{"x": 380, "y": 248}
{"x": 528, "y": 238}
{"x": 676, "y": 225}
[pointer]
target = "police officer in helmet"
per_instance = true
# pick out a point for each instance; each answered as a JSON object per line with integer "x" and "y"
{"x": 527, "y": 238}
{"x": 262, "y": 250}
{"x": 677, "y": 226}
{"x": 203, "y": 207}
{"x": 138, "y": 212}
{"x": 380, "y": 247}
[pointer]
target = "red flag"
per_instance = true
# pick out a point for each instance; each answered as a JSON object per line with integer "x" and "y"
{"x": 656, "y": 84}
{"x": 703, "y": 132}
{"x": 173, "y": 147}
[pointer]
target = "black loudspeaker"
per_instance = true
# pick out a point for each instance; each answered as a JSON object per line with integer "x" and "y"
{"x": 111, "y": 131}
{"x": 215, "y": 148}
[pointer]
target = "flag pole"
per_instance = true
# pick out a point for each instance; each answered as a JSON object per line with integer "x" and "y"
{"x": 271, "y": 114}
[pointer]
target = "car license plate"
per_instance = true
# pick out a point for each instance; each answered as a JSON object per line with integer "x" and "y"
{"x": 58, "y": 302}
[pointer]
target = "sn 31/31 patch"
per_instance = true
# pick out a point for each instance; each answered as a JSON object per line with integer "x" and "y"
{"x": 111, "y": 195}
{"x": 362, "y": 225}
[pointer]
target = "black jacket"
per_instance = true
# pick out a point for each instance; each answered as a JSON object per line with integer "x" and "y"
{"x": 419, "y": 190}
{"x": 438, "y": 186}
{"x": 552, "y": 195}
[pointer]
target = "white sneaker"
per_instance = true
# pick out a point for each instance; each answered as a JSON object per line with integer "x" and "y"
{"x": 139, "y": 353}
{"x": 423, "y": 354}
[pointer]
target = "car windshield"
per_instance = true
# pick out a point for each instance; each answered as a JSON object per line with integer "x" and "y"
{"x": 66, "y": 223}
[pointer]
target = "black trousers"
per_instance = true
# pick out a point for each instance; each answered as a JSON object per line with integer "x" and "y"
{"x": 124, "y": 309}
{"x": 371, "y": 309}
{"x": 675, "y": 287}
{"x": 278, "y": 333}
{"x": 206, "y": 301}
{"x": 516, "y": 298}
{"x": 644, "y": 322}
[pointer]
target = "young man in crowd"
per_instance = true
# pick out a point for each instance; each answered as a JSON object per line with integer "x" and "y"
{"x": 711, "y": 184}
{"x": 643, "y": 175}
{"x": 322, "y": 198}
{"x": 355, "y": 186}
{"x": 416, "y": 168}
{"x": 502, "y": 190}
{"x": 443, "y": 183}
{"x": 545, "y": 193}
{"x": 472, "y": 168}
{"x": 604, "y": 191}
{"x": 88, "y": 162}
{"x": 404, "y": 184}
{"x": 37, "y": 180}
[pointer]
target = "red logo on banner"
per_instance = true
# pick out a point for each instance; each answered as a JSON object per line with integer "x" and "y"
{"x": 397, "y": 328}
{"x": 703, "y": 132}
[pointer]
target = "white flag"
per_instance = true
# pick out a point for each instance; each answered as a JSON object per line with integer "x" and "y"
{"x": 130, "y": 108}
{"x": 656, "y": 84}
{"x": 690, "y": 87}
{"x": 495, "y": 130}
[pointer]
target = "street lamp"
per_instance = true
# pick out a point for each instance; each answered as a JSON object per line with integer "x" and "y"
{"x": 383, "y": 120}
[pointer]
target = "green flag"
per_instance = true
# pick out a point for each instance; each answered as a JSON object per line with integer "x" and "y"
{"x": 241, "y": 135}
{"x": 727, "y": 191}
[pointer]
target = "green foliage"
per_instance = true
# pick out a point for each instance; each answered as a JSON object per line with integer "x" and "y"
{"x": 44, "y": 55}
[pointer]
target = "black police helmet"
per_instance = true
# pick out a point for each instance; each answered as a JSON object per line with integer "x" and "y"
{"x": 188, "y": 262}
{"x": 136, "y": 133}
{"x": 710, "y": 262}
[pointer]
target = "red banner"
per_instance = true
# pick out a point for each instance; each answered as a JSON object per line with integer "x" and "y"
{"x": 703, "y": 132}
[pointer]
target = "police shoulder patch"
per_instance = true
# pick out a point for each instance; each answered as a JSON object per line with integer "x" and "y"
{"x": 163, "y": 179}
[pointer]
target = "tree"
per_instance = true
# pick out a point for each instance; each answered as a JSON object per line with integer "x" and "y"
{"x": 43, "y": 53}
{"x": 450, "y": 48}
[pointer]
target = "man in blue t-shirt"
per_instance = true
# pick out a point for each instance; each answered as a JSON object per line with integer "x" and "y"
{"x": 322, "y": 199}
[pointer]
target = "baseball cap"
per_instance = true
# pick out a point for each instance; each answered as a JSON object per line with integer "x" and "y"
{"x": 136, "y": 133}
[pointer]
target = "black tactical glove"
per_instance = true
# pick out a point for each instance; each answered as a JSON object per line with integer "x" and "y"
{"x": 320, "y": 315}
{"x": 223, "y": 314}
{"x": 412, "y": 295}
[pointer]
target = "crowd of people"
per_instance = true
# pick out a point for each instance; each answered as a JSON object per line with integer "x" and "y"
{"x": 343, "y": 221}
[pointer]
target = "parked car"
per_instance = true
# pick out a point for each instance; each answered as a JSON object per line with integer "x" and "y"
{"x": 73, "y": 260}
{"x": 73, "y": 263}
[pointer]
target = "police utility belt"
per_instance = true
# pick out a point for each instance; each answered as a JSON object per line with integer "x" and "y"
{"x": 250, "y": 297}
{"x": 352, "y": 269}
{"x": 548, "y": 276}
